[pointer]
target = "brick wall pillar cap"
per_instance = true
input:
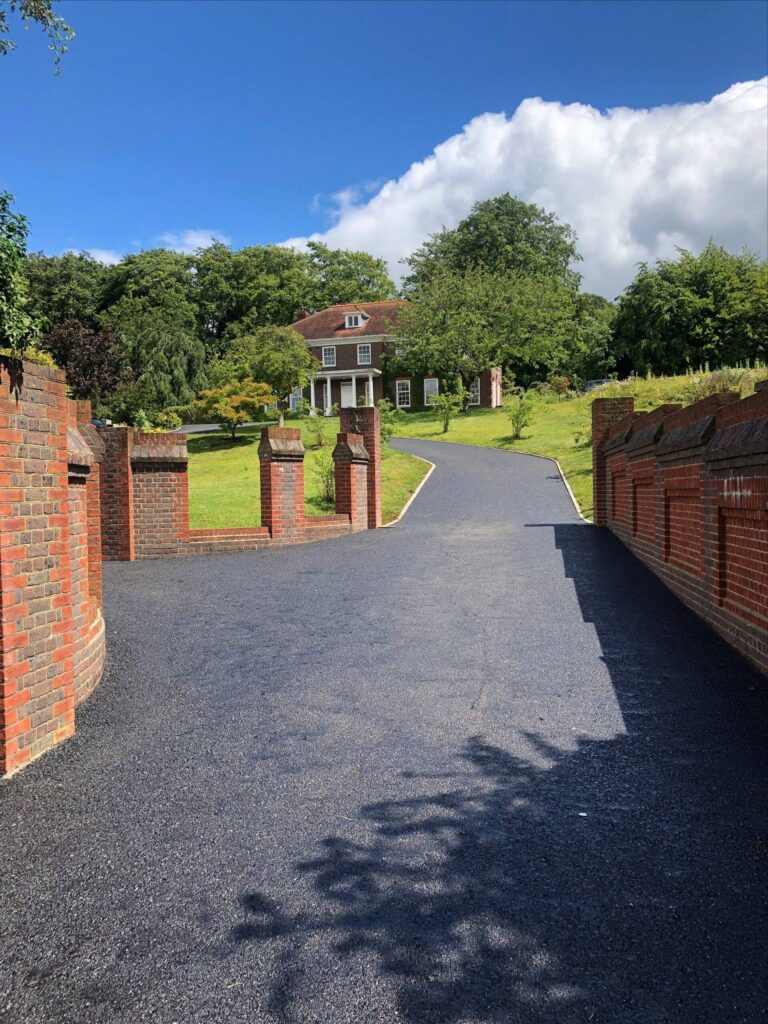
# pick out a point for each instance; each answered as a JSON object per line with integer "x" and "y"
{"x": 350, "y": 448}
{"x": 281, "y": 443}
{"x": 78, "y": 452}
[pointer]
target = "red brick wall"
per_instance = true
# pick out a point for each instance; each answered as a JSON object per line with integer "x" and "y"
{"x": 51, "y": 629}
{"x": 687, "y": 491}
{"x": 145, "y": 500}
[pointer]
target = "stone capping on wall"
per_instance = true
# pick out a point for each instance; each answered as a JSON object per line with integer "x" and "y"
{"x": 686, "y": 489}
{"x": 145, "y": 507}
{"x": 51, "y": 625}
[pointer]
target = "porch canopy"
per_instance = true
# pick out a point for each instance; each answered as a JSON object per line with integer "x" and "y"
{"x": 348, "y": 396}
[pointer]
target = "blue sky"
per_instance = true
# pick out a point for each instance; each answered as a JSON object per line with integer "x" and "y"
{"x": 248, "y": 118}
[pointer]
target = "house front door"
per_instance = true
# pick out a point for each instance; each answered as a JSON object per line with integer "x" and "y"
{"x": 347, "y": 394}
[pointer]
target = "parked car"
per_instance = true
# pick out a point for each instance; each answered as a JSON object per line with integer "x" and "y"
{"x": 592, "y": 384}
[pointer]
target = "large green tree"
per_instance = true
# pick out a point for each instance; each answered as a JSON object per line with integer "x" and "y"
{"x": 237, "y": 292}
{"x": 149, "y": 301}
{"x": 17, "y": 324}
{"x": 342, "y": 275}
{"x": 66, "y": 287}
{"x": 692, "y": 310}
{"x": 502, "y": 235}
{"x": 461, "y": 325}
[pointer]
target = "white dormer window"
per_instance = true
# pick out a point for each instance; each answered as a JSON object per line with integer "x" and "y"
{"x": 352, "y": 320}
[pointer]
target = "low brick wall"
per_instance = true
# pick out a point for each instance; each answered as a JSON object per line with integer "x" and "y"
{"x": 51, "y": 626}
{"x": 686, "y": 489}
{"x": 145, "y": 494}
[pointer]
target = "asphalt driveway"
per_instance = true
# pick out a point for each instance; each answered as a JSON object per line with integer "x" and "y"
{"x": 480, "y": 767}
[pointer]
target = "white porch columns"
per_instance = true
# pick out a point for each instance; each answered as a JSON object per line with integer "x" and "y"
{"x": 311, "y": 396}
{"x": 327, "y": 407}
{"x": 370, "y": 389}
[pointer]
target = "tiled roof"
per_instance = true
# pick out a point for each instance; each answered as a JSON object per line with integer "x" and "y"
{"x": 329, "y": 323}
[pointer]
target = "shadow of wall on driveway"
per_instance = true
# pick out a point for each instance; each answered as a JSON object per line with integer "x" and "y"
{"x": 618, "y": 881}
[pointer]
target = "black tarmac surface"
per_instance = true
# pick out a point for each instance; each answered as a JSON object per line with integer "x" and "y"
{"x": 480, "y": 767}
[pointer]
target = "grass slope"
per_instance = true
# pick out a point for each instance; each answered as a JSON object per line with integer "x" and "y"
{"x": 562, "y": 428}
{"x": 224, "y": 479}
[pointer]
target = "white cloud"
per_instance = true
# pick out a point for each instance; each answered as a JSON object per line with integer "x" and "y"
{"x": 633, "y": 183}
{"x": 107, "y": 256}
{"x": 191, "y": 239}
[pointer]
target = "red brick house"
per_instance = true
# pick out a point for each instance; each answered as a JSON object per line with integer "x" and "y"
{"x": 349, "y": 342}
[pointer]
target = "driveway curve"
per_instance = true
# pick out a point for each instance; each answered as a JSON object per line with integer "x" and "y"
{"x": 480, "y": 767}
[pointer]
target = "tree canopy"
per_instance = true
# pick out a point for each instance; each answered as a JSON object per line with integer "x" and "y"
{"x": 502, "y": 235}
{"x": 685, "y": 312}
{"x": 17, "y": 323}
{"x": 278, "y": 356}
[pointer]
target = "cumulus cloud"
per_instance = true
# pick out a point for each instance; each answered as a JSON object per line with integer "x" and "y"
{"x": 191, "y": 239}
{"x": 632, "y": 183}
{"x": 106, "y": 256}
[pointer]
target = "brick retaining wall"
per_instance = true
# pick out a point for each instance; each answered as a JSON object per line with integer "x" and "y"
{"x": 686, "y": 489}
{"x": 51, "y": 626}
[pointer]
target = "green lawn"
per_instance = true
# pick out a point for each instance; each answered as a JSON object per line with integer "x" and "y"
{"x": 224, "y": 478}
{"x": 562, "y": 429}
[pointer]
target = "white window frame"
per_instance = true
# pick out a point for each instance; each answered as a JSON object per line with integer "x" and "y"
{"x": 360, "y": 360}
{"x": 295, "y": 397}
{"x": 406, "y": 382}
{"x": 352, "y": 320}
{"x": 327, "y": 365}
{"x": 474, "y": 392}
{"x": 429, "y": 380}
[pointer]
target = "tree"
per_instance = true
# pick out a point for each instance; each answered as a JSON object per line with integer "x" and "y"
{"x": 41, "y": 11}
{"x": 233, "y": 404}
{"x": 17, "y": 325}
{"x": 238, "y": 292}
{"x": 341, "y": 275}
{"x": 277, "y": 355}
{"x": 520, "y": 412}
{"x": 459, "y": 326}
{"x": 446, "y": 405}
{"x": 95, "y": 363}
{"x": 693, "y": 310}
{"x": 502, "y": 235}
{"x": 66, "y": 287}
{"x": 148, "y": 300}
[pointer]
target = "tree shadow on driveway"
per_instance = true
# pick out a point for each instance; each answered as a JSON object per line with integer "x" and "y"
{"x": 617, "y": 881}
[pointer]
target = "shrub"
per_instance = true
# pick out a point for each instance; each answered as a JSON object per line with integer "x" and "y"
{"x": 520, "y": 412}
{"x": 445, "y": 407}
{"x": 315, "y": 428}
{"x": 324, "y": 469}
{"x": 167, "y": 419}
{"x": 389, "y": 418}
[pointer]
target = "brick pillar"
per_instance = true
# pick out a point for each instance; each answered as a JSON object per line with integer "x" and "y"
{"x": 366, "y": 422}
{"x": 281, "y": 458}
{"x": 351, "y": 461}
{"x": 160, "y": 493}
{"x": 37, "y": 708}
{"x": 605, "y": 412}
{"x": 116, "y": 479}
